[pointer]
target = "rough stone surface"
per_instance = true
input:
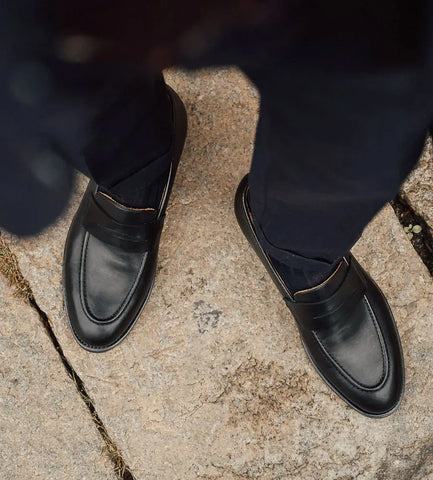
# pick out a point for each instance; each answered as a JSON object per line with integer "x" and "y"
{"x": 212, "y": 383}
{"x": 45, "y": 430}
{"x": 418, "y": 188}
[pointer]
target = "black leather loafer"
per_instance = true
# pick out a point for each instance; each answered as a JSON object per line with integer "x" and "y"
{"x": 346, "y": 327}
{"x": 110, "y": 257}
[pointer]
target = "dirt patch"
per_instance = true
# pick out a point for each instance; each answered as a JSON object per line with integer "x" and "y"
{"x": 207, "y": 317}
{"x": 259, "y": 392}
{"x": 10, "y": 269}
{"x": 412, "y": 462}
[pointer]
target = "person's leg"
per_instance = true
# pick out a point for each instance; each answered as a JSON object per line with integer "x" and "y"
{"x": 112, "y": 246}
{"x": 331, "y": 150}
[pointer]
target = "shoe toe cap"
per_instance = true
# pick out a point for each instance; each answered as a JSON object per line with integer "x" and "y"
{"x": 385, "y": 400}
{"x": 97, "y": 337}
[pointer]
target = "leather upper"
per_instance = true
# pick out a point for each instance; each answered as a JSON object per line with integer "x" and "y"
{"x": 104, "y": 285}
{"x": 346, "y": 326}
{"x": 119, "y": 226}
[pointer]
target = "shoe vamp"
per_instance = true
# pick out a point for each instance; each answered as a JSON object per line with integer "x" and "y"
{"x": 357, "y": 347}
{"x": 109, "y": 278}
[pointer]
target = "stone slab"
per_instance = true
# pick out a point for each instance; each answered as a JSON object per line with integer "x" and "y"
{"x": 418, "y": 188}
{"x": 45, "y": 430}
{"x": 212, "y": 383}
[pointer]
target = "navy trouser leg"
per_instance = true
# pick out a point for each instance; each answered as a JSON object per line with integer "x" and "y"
{"x": 331, "y": 150}
{"x": 125, "y": 151}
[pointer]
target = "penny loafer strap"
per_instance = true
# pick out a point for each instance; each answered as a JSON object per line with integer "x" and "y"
{"x": 334, "y": 310}
{"x": 131, "y": 237}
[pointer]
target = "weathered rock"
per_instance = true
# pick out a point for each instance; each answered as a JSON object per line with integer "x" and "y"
{"x": 46, "y": 431}
{"x": 212, "y": 383}
{"x": 418, "y": 188}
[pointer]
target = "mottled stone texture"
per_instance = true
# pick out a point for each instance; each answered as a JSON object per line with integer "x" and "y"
{"x": 45, "y": 431}
{"x": 212, "y": 383}
{"x": 418, "y": 188}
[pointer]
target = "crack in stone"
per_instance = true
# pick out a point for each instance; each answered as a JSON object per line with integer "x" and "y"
{"x": 9, "y": 268}
{"x": 422, "y": 241}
